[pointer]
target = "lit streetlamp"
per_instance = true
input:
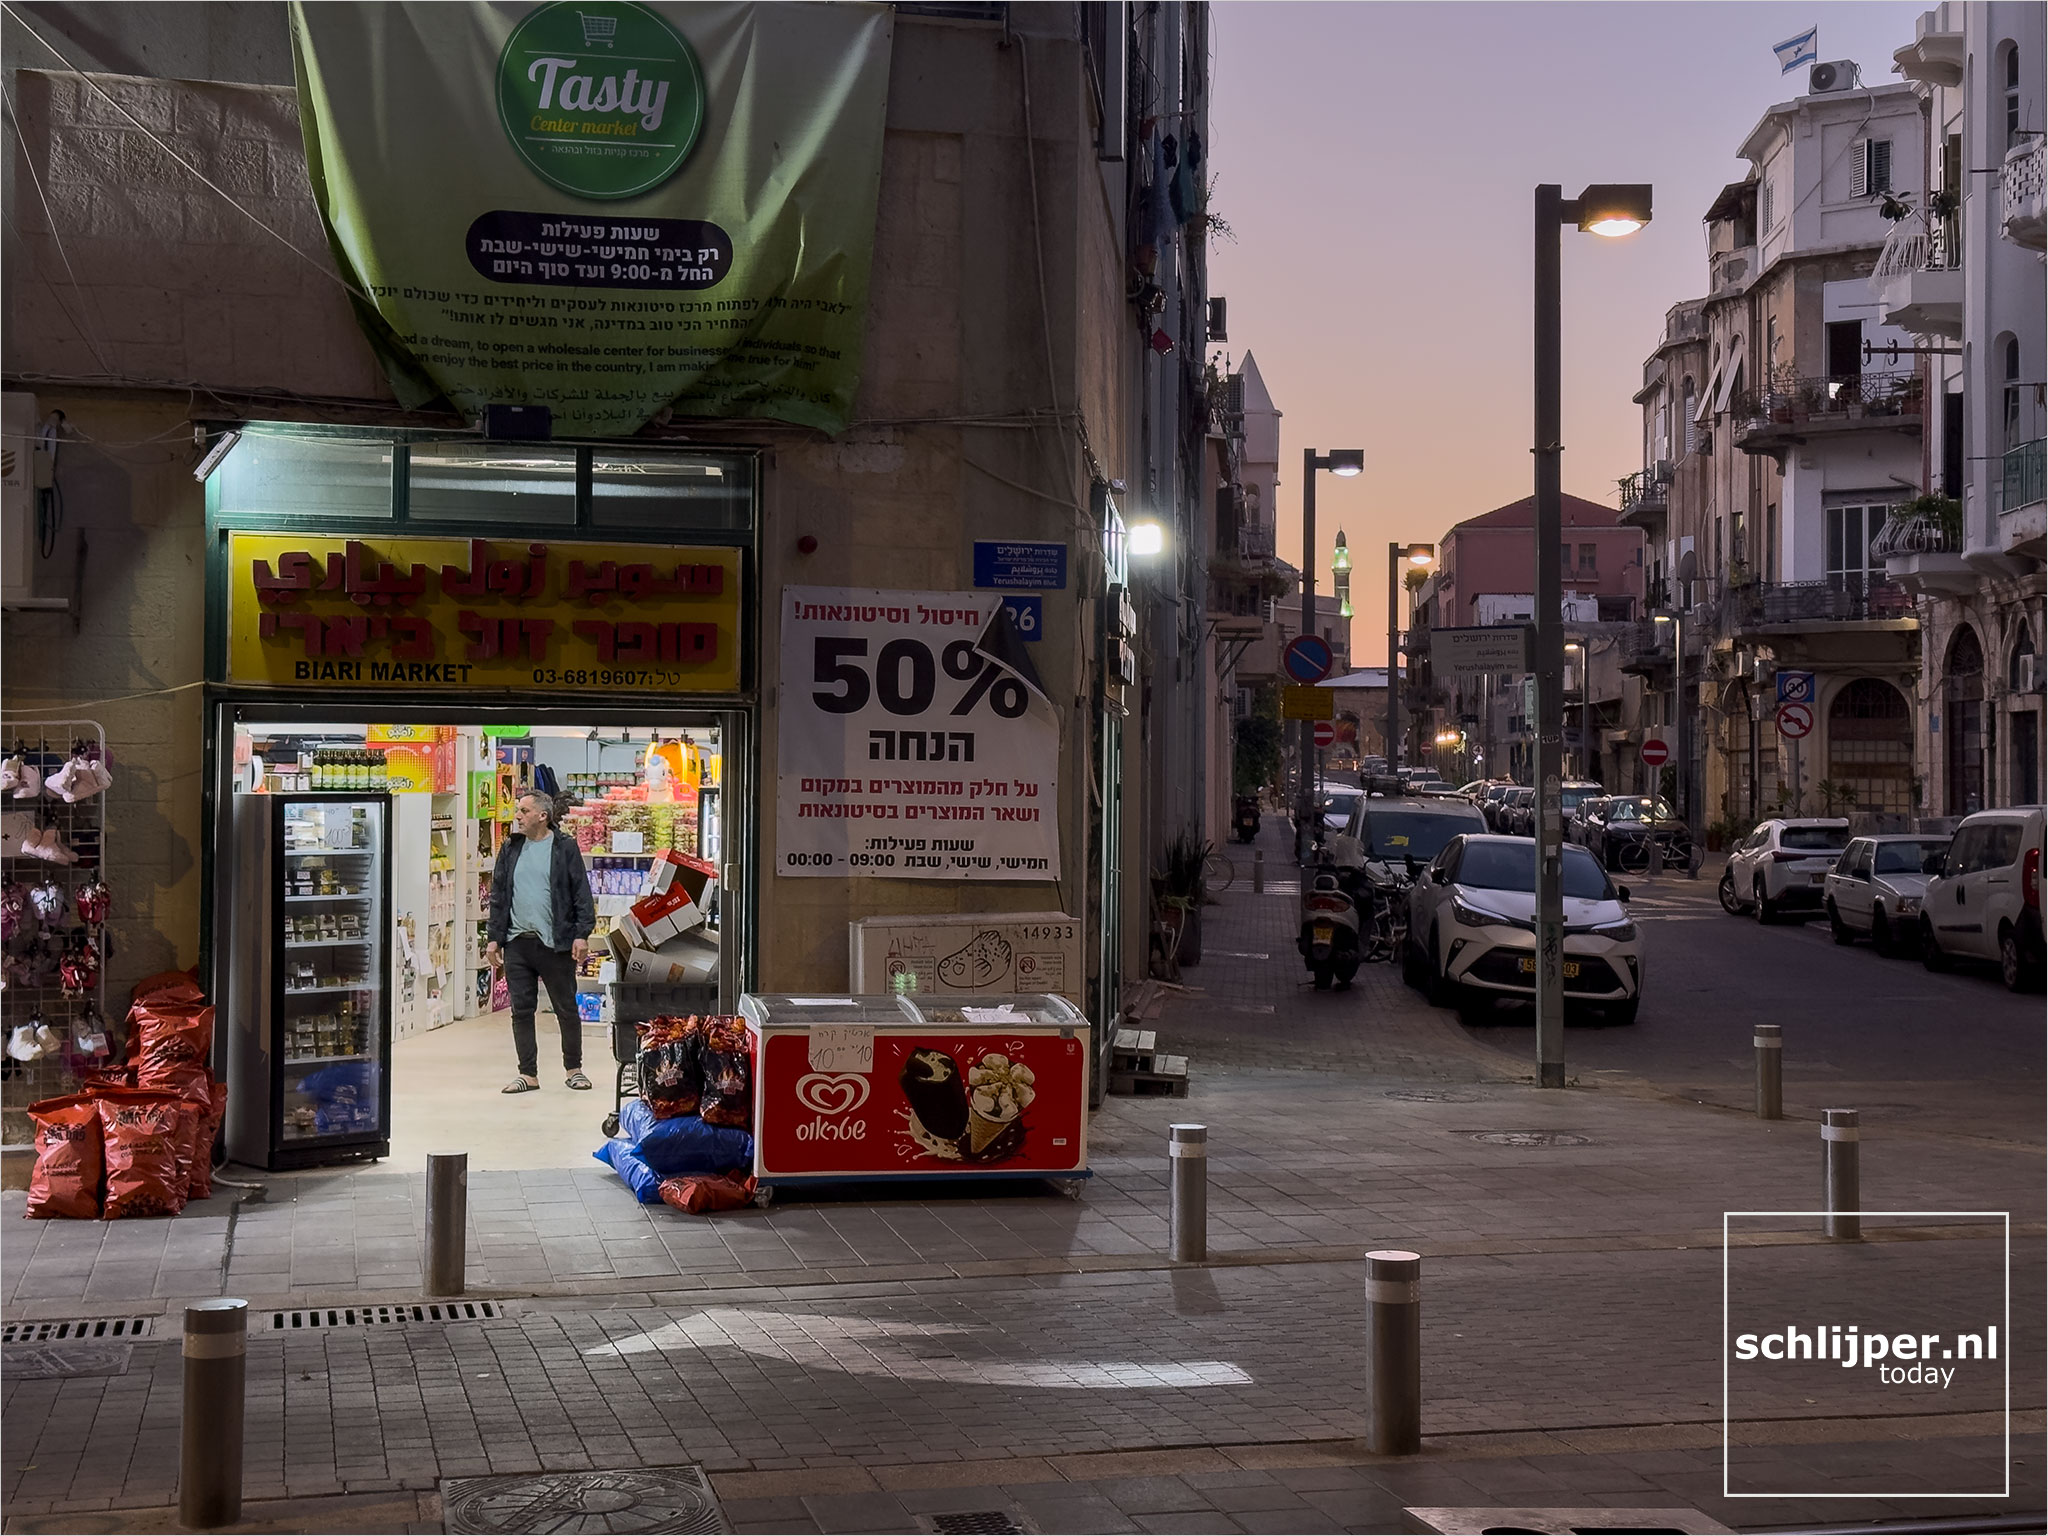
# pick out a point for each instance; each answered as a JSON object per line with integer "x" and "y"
{"x": 1601, "y": 210}
{"x": 1344, "y": 462}
{"x": 1420, "y": 557}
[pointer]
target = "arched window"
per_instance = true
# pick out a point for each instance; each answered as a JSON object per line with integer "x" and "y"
{"x": 1870, "y": 747}
{"x": 2012, "y": 94}
{"x": 2010, "y": 352}
{"x": 1962, "y": 723}
{"x": 2024, "y": 783}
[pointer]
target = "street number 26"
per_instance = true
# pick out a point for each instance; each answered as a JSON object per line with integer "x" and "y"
{"x": 906, "y": 678}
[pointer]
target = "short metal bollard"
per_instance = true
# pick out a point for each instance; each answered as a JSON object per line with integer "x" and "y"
{"x": 1393, "y": 1349}
{"x": 1187, "y": 1231}
{"x": 1258, "y": 871}
{"x": 210, "y": 1452}
{"x": 1840, "y": 1145}
{"x": 447, "y": 1223}
{"x": 1656, "y": 858}
{"x": 1769, "y": 1040}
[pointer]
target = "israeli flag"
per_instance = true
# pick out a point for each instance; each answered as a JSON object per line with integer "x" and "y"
{"x": 1795, "y": 51}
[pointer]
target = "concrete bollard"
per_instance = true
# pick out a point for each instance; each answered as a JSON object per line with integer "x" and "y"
{"x": 447, "y": 1223}
{"x": 1187, "y": 1228}
{"x": 1769, "y": 1040}
{"x": 1258, "y": 871}
{"x": 210, "y": 1452}
{"x": 1393, "y": 1347}
{"x": 1840, "y": 1139}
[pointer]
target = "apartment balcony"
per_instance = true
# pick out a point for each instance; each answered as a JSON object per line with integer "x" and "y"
{"x": 2025, "y": 219}
{"x": 2022, "y": 511}
{"x": 1646, "y": 494}
{"x": 1255, "y": 541}
{"x": 1792, "y": 411}
{"x": 1842, "y": 617}
{"x": 1918, "y": 279}
{"x": 1924, "y": 555}
{"x": 1646, "y": 649}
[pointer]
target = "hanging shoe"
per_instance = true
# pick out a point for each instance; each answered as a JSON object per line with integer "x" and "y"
{"x": 10, "y": 774}
{"x": 31, "y": 785}
{"x": 21, "y": 1042}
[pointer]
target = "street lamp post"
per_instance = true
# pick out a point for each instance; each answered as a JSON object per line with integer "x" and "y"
{"x": 1601, "y": 210}
{"x": 1344, "y": 462}
{"x": 1417, "y": 555}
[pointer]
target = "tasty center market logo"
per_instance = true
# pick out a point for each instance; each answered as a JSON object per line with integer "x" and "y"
{"x": 602, "y": 98}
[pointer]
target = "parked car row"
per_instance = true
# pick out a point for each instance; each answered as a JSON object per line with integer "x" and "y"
{"x": 1973, "y": 896}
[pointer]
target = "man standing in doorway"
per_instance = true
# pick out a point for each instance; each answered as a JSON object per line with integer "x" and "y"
{"x": 541, "y": 917}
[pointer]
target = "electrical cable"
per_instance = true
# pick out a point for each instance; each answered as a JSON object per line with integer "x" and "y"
{"x": 332, "y": 276}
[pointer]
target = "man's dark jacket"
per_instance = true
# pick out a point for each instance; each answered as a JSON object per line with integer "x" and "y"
{"x": 568, "y": 887}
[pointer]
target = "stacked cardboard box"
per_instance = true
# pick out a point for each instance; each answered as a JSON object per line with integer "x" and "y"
{"x": 659, "y": 938}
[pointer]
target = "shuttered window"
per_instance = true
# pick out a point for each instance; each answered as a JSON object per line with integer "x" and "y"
{"x": 1870, "y": 167}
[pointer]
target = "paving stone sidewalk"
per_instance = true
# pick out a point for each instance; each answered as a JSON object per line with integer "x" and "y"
{"x": 854, "y": 1364}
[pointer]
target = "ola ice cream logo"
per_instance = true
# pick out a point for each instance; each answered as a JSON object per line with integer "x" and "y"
{"x": 602, "y": 98}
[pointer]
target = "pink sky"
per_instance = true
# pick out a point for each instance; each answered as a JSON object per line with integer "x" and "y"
{"x": 1377, "y": 163}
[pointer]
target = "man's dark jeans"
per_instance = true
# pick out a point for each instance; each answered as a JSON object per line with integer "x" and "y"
{"x": 528, "y": 963}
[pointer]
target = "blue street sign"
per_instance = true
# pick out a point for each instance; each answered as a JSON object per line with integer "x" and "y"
{"x": 1309, "y": 658}
{"x": 1028, "y": 615}
{"x": 1795, "y": 687}
{"x": 1011, "y": 563}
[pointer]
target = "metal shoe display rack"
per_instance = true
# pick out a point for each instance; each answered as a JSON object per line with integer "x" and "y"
{"x": 47, "y": 745}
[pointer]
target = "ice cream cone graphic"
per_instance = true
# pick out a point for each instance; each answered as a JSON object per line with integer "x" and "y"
{"x": 1000, "y": 1090}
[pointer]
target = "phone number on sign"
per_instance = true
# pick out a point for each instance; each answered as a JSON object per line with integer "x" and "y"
{"x": 607, "y": 677}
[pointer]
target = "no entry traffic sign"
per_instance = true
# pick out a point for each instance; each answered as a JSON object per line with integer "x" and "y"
{"x": 1795, "y": 720}
{"x": 1655, "y": 753}
{"x": 1308, "y": 658}
{"x": 1326, "y": 733}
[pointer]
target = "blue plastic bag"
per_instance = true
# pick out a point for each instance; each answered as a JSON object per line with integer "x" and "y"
{"x": 683, "y": 1143}
{"x": 641, "y": 1179}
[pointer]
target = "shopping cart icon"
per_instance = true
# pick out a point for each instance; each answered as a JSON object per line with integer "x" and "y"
{"x": 598, "y": 29}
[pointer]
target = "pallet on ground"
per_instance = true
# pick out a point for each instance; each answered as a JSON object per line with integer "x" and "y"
{"x": 1134, "y": 1050}
{"x": 1168, "y": 1078}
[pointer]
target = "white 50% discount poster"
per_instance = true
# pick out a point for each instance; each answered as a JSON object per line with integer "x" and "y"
{"x": 907, "y": 749}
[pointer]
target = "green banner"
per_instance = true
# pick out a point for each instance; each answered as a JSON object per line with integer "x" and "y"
{"x": 602, "y": 207}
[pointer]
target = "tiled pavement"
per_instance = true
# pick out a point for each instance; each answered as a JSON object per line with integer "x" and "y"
{"x": 851, "y": 1364}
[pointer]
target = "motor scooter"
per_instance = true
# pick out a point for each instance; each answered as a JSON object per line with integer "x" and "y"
{"x": 1329, "y": 930}
{"x": 1244, "y": 818}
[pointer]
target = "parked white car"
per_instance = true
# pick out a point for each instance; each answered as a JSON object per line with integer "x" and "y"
{"x": 1986, "y": 902}
{"x": 1472, "y": 929}
{"x": 1876, "y": 887}
{"x": 1783, "y": 866}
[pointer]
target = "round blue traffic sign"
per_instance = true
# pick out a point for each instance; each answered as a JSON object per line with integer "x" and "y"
{"x": 1309, "y": 658}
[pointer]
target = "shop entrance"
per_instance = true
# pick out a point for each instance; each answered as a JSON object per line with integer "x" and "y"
{"x": 352, "y": 885}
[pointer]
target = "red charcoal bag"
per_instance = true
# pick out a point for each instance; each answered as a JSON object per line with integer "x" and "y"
{"x": 177, "y": 1039}
{"x": 141, "y": 1131}
{"x": 69, "y": 1158}
{"x": 701, "y": 1192}
{"x": 210, "y": 1114}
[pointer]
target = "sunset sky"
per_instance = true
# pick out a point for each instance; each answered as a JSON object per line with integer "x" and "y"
{"x": 1377, "y": 163}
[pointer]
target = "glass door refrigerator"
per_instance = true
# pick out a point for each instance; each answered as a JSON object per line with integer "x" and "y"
{"x": 309, "y": 980}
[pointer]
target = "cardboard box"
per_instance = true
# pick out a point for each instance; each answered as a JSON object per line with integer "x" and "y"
{"x": 688, "y": 959}
{"x": 961, "y": 953}
{"x": 670, "y": 866}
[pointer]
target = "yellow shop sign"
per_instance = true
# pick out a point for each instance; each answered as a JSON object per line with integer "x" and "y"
{"x": 456, "y": 616}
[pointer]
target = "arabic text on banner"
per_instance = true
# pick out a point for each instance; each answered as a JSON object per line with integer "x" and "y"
{"x": 903, "y": 751}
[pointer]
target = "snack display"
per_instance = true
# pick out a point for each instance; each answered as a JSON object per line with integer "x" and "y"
{"x": 728, "y": 1067}
{"x": 671, "y": 1073}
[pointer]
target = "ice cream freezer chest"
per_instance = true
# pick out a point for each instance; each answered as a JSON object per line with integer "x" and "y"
{"x": 860, "y": 1087}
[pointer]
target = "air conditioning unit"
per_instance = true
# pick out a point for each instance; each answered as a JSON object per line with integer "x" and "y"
{"x": 1661, "y": 472}
{"x": 2031, "y": 673}
{"x": 1836, "y": 75}
{"x": 1704, "y": 443}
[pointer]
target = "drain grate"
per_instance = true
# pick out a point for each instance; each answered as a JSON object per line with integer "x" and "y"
{"x": 1532, "y": 1139}
{"x": 382, "y": 1316}
{"x": 648, "y": 1499}
{"x": 78, "y": 1328}
{"x": 976, "y": 1522}
{"x": 41, "y": 1362}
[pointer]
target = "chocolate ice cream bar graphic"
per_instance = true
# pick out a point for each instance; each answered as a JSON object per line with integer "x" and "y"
{"x": 937, "y": 1096}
